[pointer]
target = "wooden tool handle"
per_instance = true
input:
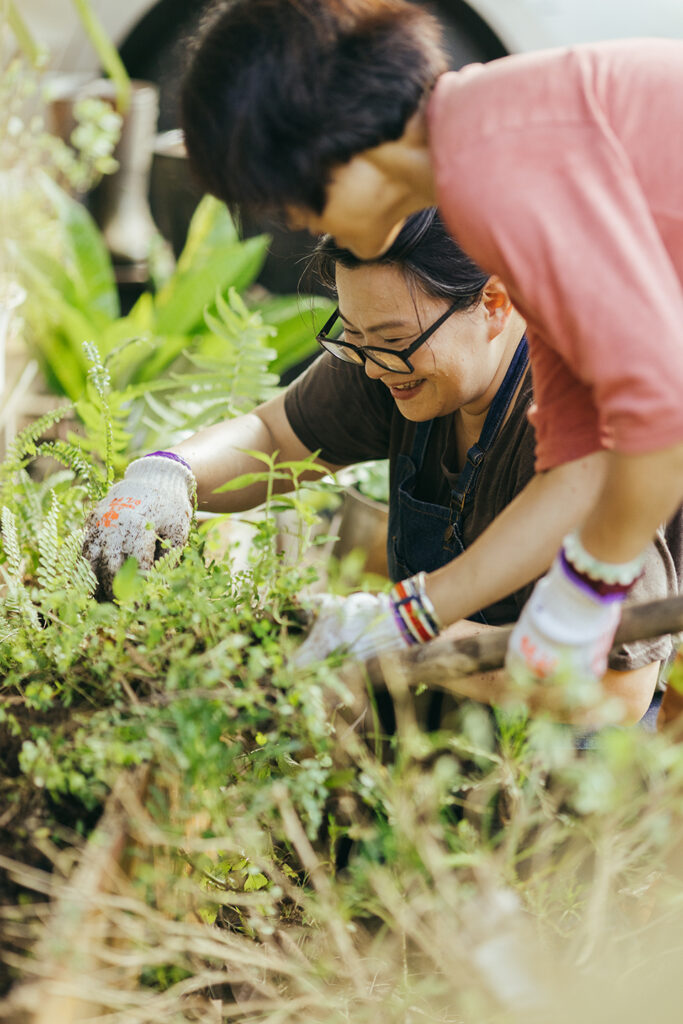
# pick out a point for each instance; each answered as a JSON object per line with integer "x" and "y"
{"x": 444, "y": 658}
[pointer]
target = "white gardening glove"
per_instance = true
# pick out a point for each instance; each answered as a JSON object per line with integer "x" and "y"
{"x": 157, "y": 490}
{"x": 361, "y": 625}
{"x": 364, "y": 625}
{"x": 566, "y": 628}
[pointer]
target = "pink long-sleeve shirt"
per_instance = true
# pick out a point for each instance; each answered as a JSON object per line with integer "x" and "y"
{"x": 562, "y": 172}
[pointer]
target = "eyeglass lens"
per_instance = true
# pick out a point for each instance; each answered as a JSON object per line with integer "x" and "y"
{"x": 351, "y": 354}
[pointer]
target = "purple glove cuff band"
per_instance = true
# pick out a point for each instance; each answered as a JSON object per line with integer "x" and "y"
{"x": 405, "y": 632}
{"x": 170, "y": 455}
{"x": 605, "y": 593}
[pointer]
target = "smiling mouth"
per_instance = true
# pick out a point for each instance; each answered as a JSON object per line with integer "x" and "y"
{"x": 409, "y": 386}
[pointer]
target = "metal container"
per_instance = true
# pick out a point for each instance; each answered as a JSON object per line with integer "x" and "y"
{"x": 364, "y": 524}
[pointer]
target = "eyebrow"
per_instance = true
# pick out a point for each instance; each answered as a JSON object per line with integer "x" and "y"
{"x": 376, "y": 328}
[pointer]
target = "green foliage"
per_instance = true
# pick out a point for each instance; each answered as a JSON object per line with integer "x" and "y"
{"x": 372, "y": 479}
{"x": 255, "y": 790}
{"x": 336, "y": 871}
{"x": 187, "y": 324}
{"x": 229, "y": 376}
{"x": 32, "y": 160}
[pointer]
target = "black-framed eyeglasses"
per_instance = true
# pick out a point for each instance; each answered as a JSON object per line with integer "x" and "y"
{"x": 387, "y": 358}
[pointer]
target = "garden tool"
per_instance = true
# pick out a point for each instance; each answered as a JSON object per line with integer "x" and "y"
{"x": 446, "y": 664}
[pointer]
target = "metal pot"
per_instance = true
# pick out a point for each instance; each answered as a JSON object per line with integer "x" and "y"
{"x": 364, "y": 525}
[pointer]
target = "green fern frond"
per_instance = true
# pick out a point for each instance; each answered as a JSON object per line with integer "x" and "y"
{"x": 98, "y": 374}
{"x": 17, "y": 600}
{"x": 10, "y": 543}
{"x": 72, "y": 457}
{"x": 163, "y": 567}
{"x": 228, "y": 375}
{"x": 25, "y": 444}
{"x": 49, "y": 548}
{"x": 98, "y": 393}
{"x": 74, "y": 570}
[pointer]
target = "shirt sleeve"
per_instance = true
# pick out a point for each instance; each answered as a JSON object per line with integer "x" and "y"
{"x": 336, "y": 408}
{"x": 554, "y": 206}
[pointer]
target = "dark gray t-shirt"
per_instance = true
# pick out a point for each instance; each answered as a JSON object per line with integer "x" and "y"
{"x": 336, "y": 408}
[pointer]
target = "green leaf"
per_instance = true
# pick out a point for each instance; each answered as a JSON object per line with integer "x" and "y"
{"x": 86, "y": 252}
{"x": 296, "y": 328}
{"x": 127, "y": 582}
{"x": 255, "y": 882}
{"x": 181, "y": 303}
{"x": 211, "y": 226}
{"x": 243, "y": 480}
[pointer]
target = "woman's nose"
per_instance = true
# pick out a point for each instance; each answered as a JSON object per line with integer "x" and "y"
{"x": 373, "y": 370}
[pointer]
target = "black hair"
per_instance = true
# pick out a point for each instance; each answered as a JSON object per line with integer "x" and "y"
{"x": 425, "y": 253}
{"x": 280, "y": 92}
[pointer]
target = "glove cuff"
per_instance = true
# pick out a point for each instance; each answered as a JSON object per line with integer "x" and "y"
{"x": 169, "y": 455}
{"x": 606, "y": 580}
{"x": 413, "y": 610}
{"x": 160, "y": 468}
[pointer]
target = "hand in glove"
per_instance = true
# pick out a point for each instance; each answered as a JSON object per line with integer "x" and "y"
{"x": 364, "y": 625}
{"x": 157, "y": 490}
{"x": 568, "y": 624}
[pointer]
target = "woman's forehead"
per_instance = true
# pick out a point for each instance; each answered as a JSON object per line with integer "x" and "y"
{"x": 379, "y": 289}
{"x": 373, "y": 279}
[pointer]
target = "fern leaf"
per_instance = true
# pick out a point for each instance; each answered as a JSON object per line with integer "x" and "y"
{"x": 17, "y": 599}
{"x": 24, "y": 445}
{"x": 10, "y": 542}
{"x": 47, "y": 572}
{"x": 74, "y": 570}
{"x": 72, "y": 456}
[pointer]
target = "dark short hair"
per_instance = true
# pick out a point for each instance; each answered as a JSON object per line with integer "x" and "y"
{"x": 425, "y": 253}
{"x": 280, "y": 92}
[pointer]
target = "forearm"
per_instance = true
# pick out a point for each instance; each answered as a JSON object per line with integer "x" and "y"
{"x": 219, "y": 454}
{"x": 639, "y": 493}
{"x": 521, "y": 542}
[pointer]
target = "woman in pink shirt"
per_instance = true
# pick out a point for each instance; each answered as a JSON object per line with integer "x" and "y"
{"x": 560, "y": 172}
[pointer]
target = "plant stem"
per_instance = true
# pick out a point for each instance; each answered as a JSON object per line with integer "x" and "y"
{"x": 33, "y": 51}
{"x": 107, "y": 53}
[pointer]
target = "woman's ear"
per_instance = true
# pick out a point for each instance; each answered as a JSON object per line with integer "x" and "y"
{"x": 497, "y": 305}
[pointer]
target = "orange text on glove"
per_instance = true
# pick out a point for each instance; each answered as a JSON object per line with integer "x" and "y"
{"x": 112, "y": 514}
{"x": 540, "y": 664}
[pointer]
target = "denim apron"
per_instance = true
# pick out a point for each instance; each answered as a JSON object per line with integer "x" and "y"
{"x": 423, "y": 536}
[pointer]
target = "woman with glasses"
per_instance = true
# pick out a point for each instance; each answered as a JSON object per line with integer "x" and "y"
{"x": 425, "y": 364}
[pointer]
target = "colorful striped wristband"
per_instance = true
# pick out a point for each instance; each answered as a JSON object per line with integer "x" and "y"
{"x": 413, "y": 610}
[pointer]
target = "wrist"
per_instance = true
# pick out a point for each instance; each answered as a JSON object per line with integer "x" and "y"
{"x": 413, "y": 611}
{"x": 161, "y": 469}
{"x": 173, "y": 456}
{"x": 606, "y": 580}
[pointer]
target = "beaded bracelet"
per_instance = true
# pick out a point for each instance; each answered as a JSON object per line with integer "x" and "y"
{"x": 605, "y": 578}
{"x": 413, "y": 610}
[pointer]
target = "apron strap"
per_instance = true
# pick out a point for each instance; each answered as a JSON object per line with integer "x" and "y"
{"x": 492, "y": 424}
